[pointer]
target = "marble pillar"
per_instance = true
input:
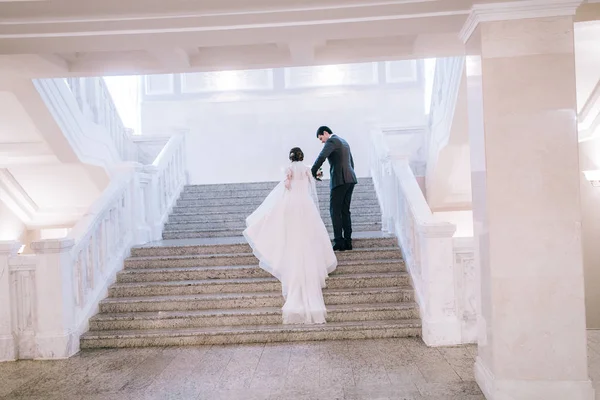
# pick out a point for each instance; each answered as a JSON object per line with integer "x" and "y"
{"x": 526, "y": 209}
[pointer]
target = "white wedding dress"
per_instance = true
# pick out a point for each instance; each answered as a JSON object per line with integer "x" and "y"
{"x": 288, "y": 237}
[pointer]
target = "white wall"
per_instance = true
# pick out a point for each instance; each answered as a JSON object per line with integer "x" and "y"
{"x": 247, "y": 137}
{"x": 587, "y": 61}
{"x": 11, "y": 227}
{"x": 589, "y": 159}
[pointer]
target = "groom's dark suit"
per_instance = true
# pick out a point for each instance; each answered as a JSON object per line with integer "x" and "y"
{"x": 337, "y": 151}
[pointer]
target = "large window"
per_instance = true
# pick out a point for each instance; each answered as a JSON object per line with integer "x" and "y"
{"x": 331, "y": 75}
{"x": 404, "y": 71}
{"x": 224, "y": 81}
{"x": 158, "y": 84}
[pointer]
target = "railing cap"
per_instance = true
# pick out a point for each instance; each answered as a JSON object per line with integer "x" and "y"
{"x": 52, "y": 246}
{"x": 437, "y": 230}
{"x": 9, "y": 247}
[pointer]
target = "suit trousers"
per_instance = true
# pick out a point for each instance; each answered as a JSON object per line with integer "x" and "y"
{"x": 339, "y": 208}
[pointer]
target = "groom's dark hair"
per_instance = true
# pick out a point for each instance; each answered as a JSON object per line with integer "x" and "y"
{"x": 322, "y": 130}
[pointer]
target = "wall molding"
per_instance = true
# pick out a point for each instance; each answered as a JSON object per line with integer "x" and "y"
{"x": 14, "y": 196}
{"x": 589, "y": 117}
{"x": 516, "y": 10}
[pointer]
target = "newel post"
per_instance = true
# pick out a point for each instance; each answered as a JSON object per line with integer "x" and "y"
{"x": 8, "y": 350}
{"x": 56, "y": 335}
{"x": 152, "y": 194}
{"x": 441, "y": 324}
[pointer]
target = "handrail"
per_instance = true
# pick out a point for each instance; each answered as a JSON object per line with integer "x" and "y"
{"x": 427, "y": 245}
{"x": 60, "y": 286}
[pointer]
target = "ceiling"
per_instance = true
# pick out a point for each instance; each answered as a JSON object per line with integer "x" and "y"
{"x": 109, "y": 37}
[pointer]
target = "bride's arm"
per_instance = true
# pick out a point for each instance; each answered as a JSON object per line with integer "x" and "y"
{"x": 288, "y": 178}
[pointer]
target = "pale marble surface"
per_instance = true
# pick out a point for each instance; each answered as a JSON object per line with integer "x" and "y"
{"x": 363, "y": 369}
{"x": 354, "y": 370}
{"x": 527, "y": 217}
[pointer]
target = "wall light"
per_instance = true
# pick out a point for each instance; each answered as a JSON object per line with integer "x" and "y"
{"x": 593, "y": 176}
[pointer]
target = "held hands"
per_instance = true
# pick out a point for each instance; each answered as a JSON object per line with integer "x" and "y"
{"x": 319, "y": 175}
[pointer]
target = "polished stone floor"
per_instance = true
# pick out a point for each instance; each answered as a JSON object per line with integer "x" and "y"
{"x": 403, "y": 369}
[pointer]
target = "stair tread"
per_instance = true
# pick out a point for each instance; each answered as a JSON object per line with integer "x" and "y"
{"x": 220, "y": 330}
{"x": 360, "y": 237}
{"x": 207, "y": 296}
{"x": 210, "y": 209}
{"x": 181, "y": 214}
{"x": 133, "y": 271}
{"x": 243, "y": 225}
{"x": 374, "y": 221}
{"x": 151, "y": 315}
{"x": 198, "y": 282}
{"x": 246, "y": 254}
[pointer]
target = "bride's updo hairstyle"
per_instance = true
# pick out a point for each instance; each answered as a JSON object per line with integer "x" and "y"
{"x": 296, "y": 154}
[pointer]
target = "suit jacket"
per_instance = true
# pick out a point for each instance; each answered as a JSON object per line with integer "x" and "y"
{"x": 341, "y": 164}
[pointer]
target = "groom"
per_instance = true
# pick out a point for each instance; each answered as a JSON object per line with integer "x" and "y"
{"x": 341, "y": 168}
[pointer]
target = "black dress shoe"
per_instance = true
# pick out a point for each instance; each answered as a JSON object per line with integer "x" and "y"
{"x": 339, "y": 247}
{"x": 348, "y": 245}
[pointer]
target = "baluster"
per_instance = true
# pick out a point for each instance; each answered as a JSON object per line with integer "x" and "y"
{"x": 91, "y": 265}
{"x": 79, "y": 279}
{"x": 24, "y": 298}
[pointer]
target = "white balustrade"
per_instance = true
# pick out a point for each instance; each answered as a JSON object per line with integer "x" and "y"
{"x": 427, "y": 245}
{"x": 47, "y": 298}
{"x": 95, "y": 102}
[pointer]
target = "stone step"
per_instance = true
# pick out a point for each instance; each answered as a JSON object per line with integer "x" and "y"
{"x": 225, "y": 232}
{"x": 245, "y": 271}
{"x": 251, "y": 300}
{"x": 199, "y": 260}
{"x": 233, "y": 245}
{"x": 251, "y": 334}
{"x": 240, "y": 225}
{"x": 323, "y": 194}
{"x": 228, "y": 216}
{"x": 249, "y": 209}
{"x": 246, "y": 316}
{"x": 244, "y": 285}
{"x": 256, "y": 201}
{"x": 324, "y": 184}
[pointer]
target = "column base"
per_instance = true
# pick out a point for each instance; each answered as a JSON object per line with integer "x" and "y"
{"x": 445, "y": 332}
{"x": 498, "y": 389}
{"x": 156, "y": 232}
{"x": 8, "y": 350}
{"x": 56, "y": 347}
{"x": 26, "y": 345}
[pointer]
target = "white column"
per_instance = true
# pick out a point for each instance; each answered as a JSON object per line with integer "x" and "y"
{"x": 8, "y": 351}
{"x": 56, "y": 335}
{"x": 527, "y": 217}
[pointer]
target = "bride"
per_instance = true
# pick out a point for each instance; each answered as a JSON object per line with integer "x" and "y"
{"x": 288, "y": 237}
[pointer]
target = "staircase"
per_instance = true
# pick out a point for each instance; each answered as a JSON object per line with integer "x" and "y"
{"x": 206, "y": 287}
{"x": 220, "y": 210}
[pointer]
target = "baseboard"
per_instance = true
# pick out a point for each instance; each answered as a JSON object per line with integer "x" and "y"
{"x": 497, "y": 389}
{"x": 8, "y": 350}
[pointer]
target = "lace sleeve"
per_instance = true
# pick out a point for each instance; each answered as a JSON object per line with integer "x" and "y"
{"x": 313, "y": 188}
{"x": 288, "y": 177}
